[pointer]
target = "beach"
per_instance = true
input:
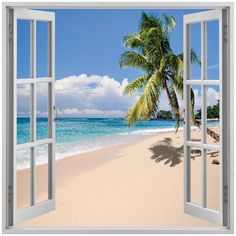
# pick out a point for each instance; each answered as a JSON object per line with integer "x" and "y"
{"x": 136, "y": 184}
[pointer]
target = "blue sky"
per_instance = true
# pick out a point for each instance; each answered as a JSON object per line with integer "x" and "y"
{"x": 88, "y": 48}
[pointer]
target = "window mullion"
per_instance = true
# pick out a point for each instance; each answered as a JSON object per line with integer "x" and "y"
{"x": 203, "y": 114}
{"x": 32, "y": 109}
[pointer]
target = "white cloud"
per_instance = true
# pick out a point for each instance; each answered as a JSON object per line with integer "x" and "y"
{"x": 197, "y": 99}
{"x": 93, "y": 96}
{"x": 164, "y": 102}
{"x": 212, "y": 95}
{"x": 213, "y": 67}
{"x": 79, "y": 96}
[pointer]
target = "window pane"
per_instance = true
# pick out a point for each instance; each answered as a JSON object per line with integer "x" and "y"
{"x": 195, "y": 45}
{"x": 23, "y": 49}
{"x": 212, "y": 50}
{"x": 195, "y": 133}
{"x": 213, "y": 114}
{"x": 41, "y": 173}
{"x": 23, "y": 113}
{"x": 23, "y": 178}
{"x": 213, "y": 179}
{"x": 196, "y": 175}
{"x": 42, "y": 49}
{"x": 42, "y": 110}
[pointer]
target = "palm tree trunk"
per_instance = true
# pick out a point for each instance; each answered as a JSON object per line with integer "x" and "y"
{"x": 174, "y": 108}
{"x": 210, "y": 132}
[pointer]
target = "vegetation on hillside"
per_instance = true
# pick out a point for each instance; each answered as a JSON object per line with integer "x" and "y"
{"x": 212, "y": 112}
{"x": 164, "y": 115}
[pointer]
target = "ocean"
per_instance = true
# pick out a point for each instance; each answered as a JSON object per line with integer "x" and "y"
{"x": 79, "y": 135}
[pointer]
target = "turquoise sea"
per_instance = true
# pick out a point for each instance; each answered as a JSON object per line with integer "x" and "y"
{"x": 79, "y": 135}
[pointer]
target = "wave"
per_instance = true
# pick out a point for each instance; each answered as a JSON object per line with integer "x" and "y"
{"x": 151, "y": 131}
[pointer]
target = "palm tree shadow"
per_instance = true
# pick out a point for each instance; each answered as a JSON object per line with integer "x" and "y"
{"x": 165, "y": 151}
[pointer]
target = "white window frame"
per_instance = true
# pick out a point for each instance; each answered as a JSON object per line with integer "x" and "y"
{"x": 35, "y": 208}
{"x": 7, "y": 91}
{"x": 201, "y": 210}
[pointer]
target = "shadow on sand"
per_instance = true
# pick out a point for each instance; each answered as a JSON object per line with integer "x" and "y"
{"x": 165, "y": 151}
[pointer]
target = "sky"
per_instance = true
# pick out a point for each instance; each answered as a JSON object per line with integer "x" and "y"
{"x": 89, "y": 43}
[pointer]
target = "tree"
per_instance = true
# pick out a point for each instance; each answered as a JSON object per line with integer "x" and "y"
{"x": 162, "y": 69}
{"x": 164, "y": 115}
{"x": 212, "y": 112}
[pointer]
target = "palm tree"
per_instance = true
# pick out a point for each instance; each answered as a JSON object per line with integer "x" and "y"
{"x": 163, "y": 70}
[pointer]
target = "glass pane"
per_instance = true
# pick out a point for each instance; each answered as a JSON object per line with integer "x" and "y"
{"x": 42, "y": 49}
{"x": 23, "y": 178}
{"x": 213, "y": 114}
{"x": 213, "y": 179}
{"x": 42, "y": 110}
{"x": 23, "y": 49}
{"x": 195, "y": 45}
{"x": 196, "y": 175}
{"x": 195, "y": 131}
{"x": 23, "y": 113}
{"x": 212, "y": 50}
{"x": 41, "y": 173}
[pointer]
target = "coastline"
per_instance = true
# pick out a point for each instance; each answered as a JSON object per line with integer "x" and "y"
{"x": 121, "y": 186}
{"x": 76, "y": 136}
{"x": 97, "y": 144}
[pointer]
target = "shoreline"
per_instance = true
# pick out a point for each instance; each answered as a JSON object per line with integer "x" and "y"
{"x": 137, "y": 135}
{"x": 131, "y": 137}
{"x": 86, "y": 137}
{"x": 134, "y": 136}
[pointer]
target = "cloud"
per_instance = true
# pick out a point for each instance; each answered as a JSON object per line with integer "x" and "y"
{"x": 212, "y": 95}
{"x": 93, "y": 96}
{"x": 197, "y": 99}
{"x": 213, "y": 67}
{"x": 164, "y": 102}
{"x": 81, "y": 96}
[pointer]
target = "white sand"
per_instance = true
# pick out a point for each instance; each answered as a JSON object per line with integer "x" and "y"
{"x": 133, "y": 185}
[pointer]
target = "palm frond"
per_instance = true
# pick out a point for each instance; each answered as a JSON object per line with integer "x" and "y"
{"x": 135, "y": 60}
{"x": 193, "y": 57}
{"x": 133, "y": 41}
{"x": 173, "y": 64}
{"x": 135, "y": 85}
{"x": 175, "y": 106}
{"x": 153, "y": 45}
{"x": 147, "y": 104}
{"x": 132, "y": 114}
{"x": 169, "y": 23}
{"x": 165, "y": 44}
{"x": 149, "y": 21}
